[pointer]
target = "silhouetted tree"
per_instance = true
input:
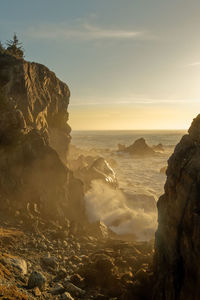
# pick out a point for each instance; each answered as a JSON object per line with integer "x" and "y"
{"x": 14, "y": 47}
{"x": 2, "y": 49}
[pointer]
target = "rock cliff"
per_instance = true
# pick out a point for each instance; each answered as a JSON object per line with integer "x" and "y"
{"x": 34, "y": 140}
{"x": 177, "y": 245}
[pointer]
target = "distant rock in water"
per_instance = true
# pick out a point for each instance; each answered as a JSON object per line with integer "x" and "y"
{"x": 177, "y": 245}
{"x": 34, "y": 140}
{"x": 138, "y": 148}
{"x": 158, "y": 148}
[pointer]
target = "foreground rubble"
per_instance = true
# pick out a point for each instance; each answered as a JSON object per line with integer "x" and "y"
{"x": 53, "y": 263}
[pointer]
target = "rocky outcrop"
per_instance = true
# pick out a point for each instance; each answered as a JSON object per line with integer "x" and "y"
{"x": 177, "y": 245}
{"x": 34, "y": 140}
{"x": 158, "y": 148}
{"x": 89, "y": 168}
{"x": 138, "y": 148}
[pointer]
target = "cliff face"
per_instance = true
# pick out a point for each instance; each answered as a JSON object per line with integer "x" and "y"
{"x": 34, "y": 140}
{"x": 177, "y": 245}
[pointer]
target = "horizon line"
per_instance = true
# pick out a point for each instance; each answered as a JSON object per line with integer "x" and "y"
{"x": 175, "y": 129}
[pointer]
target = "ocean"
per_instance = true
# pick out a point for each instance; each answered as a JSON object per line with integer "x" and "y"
{"x": 135, "y": 175}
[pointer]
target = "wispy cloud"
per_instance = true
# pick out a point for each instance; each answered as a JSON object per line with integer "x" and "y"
{"x": 106, "y": 101}
{"x": 83, "y": 31}
{"x": 194, "y": 64}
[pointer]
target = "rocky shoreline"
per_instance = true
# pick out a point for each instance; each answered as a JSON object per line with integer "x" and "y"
{"x": 48, "y": 247}
{"x": 53, "y": 262}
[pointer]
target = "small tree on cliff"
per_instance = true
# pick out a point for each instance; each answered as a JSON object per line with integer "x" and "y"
{"x": 2, "y": 49}
{"x": 14, "y": 47}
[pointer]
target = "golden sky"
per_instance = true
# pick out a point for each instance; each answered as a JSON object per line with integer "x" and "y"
{"x": 131, "y": 64}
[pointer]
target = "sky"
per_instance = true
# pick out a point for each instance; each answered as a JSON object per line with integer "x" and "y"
{"x": 129, "y": 64}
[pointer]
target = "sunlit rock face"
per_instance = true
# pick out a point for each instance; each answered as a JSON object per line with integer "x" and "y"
{"x": 34, "y": 141}
{"x": 40, "y": 97}
{"x": 177, "y": 245}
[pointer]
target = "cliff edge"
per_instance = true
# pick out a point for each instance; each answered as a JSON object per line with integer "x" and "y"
{"x": 34, "y": 141}
{"x": 177, "y": 244}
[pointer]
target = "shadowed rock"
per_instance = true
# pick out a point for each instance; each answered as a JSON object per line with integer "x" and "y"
{"x": 177, "y": 245}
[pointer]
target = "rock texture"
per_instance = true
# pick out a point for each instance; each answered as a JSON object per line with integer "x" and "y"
{"x": 138, "y": 148}
{"x": 34, "y": 140}
{"x": 177, "y": 245}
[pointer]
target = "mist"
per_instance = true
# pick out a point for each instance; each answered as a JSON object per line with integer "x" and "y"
{"x": 110, "y": 206}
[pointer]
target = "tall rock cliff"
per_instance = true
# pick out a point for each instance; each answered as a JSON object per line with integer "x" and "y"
{"x": 34, "y": 140}
{"x": 177, "y": 245}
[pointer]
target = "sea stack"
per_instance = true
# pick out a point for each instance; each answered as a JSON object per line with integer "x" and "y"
{"x": 139, "y": 148}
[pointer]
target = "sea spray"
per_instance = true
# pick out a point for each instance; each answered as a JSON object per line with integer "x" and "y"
{"x": 110, "y": 206}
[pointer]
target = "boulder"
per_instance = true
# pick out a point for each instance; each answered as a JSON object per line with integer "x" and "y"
{"x": 36, "y": 279}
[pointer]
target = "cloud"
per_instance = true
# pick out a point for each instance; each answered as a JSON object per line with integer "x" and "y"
{"x": 134, "y": 100}
{"x": 194, "y": 64}
{"x": 82, "y": 31}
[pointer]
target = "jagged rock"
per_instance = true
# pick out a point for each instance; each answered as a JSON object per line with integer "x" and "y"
{"x": 158, "y": 148}
{"x": 139, "y": 148}
{"x": 97, "y": 169}
{"x": 36, "y": 279}
{"x": 177, "y": 245}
